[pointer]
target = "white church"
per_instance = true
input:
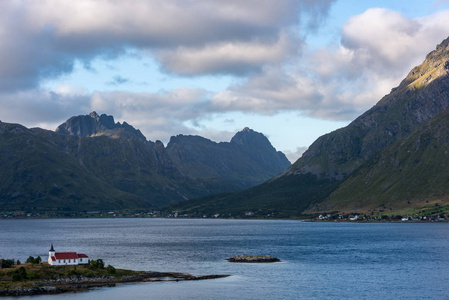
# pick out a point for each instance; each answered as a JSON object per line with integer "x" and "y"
{"x": 66, "y": 258}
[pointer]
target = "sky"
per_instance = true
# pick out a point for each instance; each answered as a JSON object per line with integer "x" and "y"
{"x": 293, "y": 70}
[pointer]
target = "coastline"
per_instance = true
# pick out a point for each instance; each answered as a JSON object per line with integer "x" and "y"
{"x": 82, "y": 283}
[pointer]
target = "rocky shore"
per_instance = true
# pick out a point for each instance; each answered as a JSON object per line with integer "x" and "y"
{"x": 253, "y": 259}
{"x": 79, "y": 283}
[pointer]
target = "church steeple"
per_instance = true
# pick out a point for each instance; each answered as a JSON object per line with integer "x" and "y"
{"x": 51, "y": 254}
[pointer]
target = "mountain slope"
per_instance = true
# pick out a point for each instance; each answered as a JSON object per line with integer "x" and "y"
{"x": 423, "y": 94}
{"x": 247, "y": 160}
{"x": 409, "y": 173}
{"x": 101, "y": 164}
{"x": 208, "y": 167}
{"x": 36, "y": 174}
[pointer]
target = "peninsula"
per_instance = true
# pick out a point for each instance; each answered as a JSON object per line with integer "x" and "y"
{"x": 42, "y": 278}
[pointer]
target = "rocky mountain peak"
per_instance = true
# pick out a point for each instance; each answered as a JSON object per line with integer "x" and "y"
{"x": 248, "y": 135}
{"x": 257, "y": 145}
{"x": 94, "y": 124}
{"x": 434, "y": 66}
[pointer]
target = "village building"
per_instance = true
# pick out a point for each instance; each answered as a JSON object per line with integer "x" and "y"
{"x": 66, "y": 258}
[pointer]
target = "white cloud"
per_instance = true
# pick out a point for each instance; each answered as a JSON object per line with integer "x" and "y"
{"x": 239, "y": 57}
{"x": 293, "y": 156}
{"x": 380, "y": 37}
{"x": 261, "y": 40}
{"x": 161, "y": 23}
{"x": 43, "y": 39}
{"x": 377, "y": 50}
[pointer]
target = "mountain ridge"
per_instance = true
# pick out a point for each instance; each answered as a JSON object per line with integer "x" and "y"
{"x": 112, "y": 165}
{"x": 94, "y": 124}
{"x": 410, "y": 172}
{"x": 333, "y": 157}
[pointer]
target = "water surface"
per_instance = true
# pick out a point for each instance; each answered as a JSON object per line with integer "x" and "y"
{"x": 320, "y": 260}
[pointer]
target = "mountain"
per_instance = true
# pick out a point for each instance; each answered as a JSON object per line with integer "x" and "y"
{"x": 91, "y": 163}
{"x": 248, "y": 159}
{"x": 334, "y": 157}
{"x": 36, "y": 174}
{"x": 412, "y": 172}
{"x": 94, "y": 124}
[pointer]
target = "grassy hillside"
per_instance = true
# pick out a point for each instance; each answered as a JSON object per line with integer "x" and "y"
{"x": 37, "y": 175}
{"x": 283, "y": 198}
{"x": 412, "y": 172}
{"x": 95, "y": 164}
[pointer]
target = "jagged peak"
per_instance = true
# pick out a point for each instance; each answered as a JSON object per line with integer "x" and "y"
{"x": 249, "y": 137}
{"x": 434, "y": 66}
{"x": 246, "y": 131}
{"x": 94, "y": 115}
{"x": 94, "y": 124}
{"x": 444, "y": 45}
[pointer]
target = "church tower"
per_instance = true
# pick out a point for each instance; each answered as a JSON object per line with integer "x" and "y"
{"x": 50, "y": 254}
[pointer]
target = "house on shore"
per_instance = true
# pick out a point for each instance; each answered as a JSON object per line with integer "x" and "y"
{"x": 66, "y": 258}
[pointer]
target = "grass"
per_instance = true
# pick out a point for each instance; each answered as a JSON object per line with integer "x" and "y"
{"x": 32, "y": 273}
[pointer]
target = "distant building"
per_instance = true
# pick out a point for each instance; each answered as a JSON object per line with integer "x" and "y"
{"x": 66, "y": 258}
{"x": 353, "y": 218}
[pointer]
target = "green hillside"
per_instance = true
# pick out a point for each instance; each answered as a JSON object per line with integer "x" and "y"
{"x": 92, "y": 163}
{"x": 37, "y": 175}
{"x": 412, "y": 172}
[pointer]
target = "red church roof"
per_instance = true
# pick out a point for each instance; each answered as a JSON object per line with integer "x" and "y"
{"x": 66, "y": 255}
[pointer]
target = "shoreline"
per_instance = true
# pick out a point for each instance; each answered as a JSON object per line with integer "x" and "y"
{"x": 81, "y": 283}
{"x": 240, "y": 219}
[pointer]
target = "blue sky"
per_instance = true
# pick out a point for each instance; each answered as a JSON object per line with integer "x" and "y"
{"x": 293, "y": 70}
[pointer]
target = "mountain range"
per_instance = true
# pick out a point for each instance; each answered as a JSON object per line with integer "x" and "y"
{"x": 392, "y": 157}
{"x": 90, "y": 162}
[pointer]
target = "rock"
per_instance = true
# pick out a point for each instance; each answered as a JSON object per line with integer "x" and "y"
{"x": 253, "y": 259}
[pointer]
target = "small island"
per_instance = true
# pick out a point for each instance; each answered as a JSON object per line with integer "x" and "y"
{"x": 253, "y": 259}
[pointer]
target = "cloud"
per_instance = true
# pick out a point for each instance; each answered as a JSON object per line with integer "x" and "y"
{"x": 262, "y": 42}
{"x": 268, "y": 93}
{"x": 46, "y": 109}
{"x": 238, "y": 58}
{"x": 336, "y": 83}
{"x": 377, "y": 49}
{"x": 293, "y": 156}
{"x": 43, "y": 39}
{"x": 158, "y": 115}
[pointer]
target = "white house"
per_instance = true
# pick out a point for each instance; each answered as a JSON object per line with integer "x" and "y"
{"x": 66, "y": 258}
{"x": 353, "y": 218}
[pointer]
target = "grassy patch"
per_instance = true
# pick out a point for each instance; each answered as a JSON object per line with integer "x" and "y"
{"x": 28, "y": 273}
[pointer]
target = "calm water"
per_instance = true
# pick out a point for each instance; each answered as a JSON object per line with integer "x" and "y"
{"x": 321, "y": 260}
